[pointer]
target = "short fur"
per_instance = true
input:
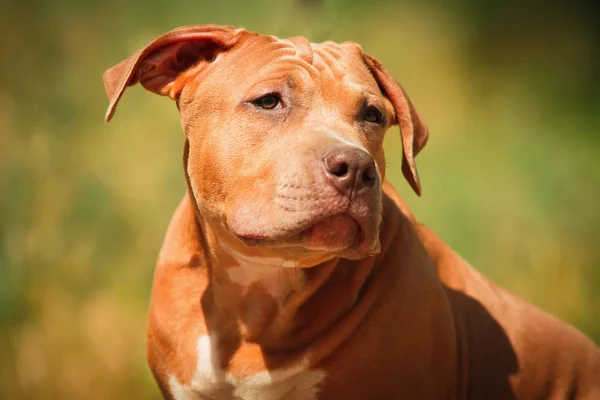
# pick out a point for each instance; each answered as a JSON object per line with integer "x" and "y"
{"x": 271, "y": 283}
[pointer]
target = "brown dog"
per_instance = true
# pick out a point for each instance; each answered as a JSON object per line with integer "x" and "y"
{"x": 291, "y": 268}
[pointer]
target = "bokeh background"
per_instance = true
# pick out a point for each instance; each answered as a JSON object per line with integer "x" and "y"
{"x": 511, "y": 175}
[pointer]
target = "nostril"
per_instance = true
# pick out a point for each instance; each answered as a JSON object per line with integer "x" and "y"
{"x": 341, "y": 169}
{"x": 337, "y": 166}
{"x": 368, "y": 176}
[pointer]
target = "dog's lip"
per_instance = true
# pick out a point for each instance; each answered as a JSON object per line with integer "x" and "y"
{"x": 251, "y": 239}
{"x": 298, "y": 236}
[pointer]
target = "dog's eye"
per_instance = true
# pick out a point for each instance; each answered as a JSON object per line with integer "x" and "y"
{"x": 270, "y": 101}
{"x": 372, "y": 114}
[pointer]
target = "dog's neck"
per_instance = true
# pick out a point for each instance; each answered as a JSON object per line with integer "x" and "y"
{"x": 281, "y": 304}
{"x": 299, "y": 312}
{"x": 277, "y": 303}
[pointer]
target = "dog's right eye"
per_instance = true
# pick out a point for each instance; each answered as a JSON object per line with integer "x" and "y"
{"x": 373, "y": 114}
{"x": 270, "y": 101}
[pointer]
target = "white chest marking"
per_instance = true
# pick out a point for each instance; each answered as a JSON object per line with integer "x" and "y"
{"x": 266, "y": 270}
{"x": 211, "y": 382}
{"x": 270, "y": 278}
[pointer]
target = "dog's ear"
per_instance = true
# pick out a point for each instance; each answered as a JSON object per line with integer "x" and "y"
{"x": 158, "y": 65}
{"x": 412, "y": 128}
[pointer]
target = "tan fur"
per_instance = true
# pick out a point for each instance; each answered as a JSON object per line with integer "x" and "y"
{"x": 251, "y": 300}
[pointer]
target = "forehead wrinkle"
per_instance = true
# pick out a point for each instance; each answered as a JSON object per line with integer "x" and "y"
{"x": 273, "y": 51}
{"x": 266, "y": 47}
{"x": 274, "y": 57}
{"x": 303, "y": 48}
{"x": 332, "y": 57}
{"x": 325, "y": 56}
{"x": 333, "y": 48}
{"x": 322, "y": 63}
{"x": 296, "y": 72}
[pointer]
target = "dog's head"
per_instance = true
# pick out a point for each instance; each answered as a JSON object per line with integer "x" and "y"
{"x": 284, "y": 138}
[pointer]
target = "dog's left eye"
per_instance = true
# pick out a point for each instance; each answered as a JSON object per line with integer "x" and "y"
{"x": 373, "y": 114}
{"x": 268, "y": 102}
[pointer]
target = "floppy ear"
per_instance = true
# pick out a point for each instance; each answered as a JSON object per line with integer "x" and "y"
{"x": 158, "y": 65}
{"x": 412, "y": 128}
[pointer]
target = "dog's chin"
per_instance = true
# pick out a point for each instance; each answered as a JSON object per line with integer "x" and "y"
{"x": 340, "y": 235}
{"x": 331, "y": 234}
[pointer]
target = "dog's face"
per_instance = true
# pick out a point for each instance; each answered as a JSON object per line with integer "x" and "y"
{"x": 287, "y": 151}
{"x": 284, "y": 146}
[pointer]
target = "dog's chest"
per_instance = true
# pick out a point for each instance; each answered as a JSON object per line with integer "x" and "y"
{"x": 211, "y": 382}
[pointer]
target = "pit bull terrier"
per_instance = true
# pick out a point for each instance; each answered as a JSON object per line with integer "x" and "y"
{"x": 292, "y": 269}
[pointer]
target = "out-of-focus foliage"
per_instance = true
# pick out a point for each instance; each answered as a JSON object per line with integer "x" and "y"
{"x": 511, "y": 175}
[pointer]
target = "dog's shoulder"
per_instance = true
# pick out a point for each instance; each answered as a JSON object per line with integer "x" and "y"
{"x": 509, "y": 346}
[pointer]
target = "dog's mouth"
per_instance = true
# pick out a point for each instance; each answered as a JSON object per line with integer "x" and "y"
{"x": 333, "y": 233}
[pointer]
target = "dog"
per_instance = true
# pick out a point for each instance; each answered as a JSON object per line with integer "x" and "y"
{"x": 292, "y": 269}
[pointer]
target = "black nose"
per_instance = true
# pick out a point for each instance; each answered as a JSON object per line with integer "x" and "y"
{"x": 350, "y": 169}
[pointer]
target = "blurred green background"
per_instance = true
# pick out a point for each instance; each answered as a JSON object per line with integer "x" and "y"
{"x": 511, "y": 174}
